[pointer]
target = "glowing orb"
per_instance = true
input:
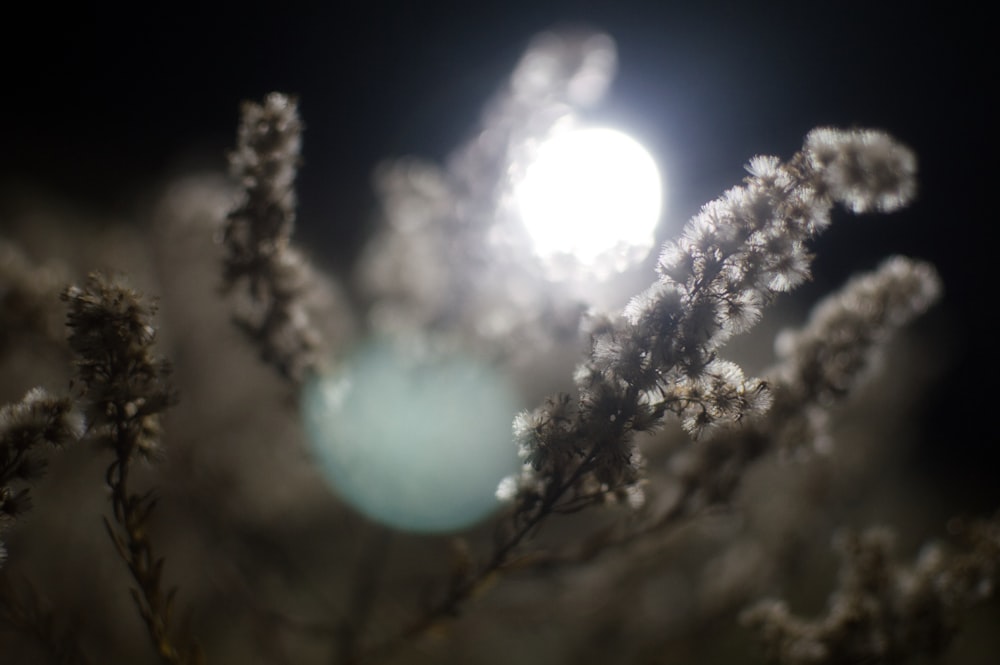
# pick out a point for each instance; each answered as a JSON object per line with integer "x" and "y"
{"x": 419, "y": 445}
{"x": 591, "y": 194}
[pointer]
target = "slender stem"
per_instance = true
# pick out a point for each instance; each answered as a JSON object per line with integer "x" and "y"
{"x": 130, "y": 512}
{"x": 459, "y": 593}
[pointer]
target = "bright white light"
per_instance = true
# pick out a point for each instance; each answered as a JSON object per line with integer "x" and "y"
{"x": 593, "y": 195}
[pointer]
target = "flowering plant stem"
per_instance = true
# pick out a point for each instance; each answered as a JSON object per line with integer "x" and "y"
{"x": 132, "y": 542}
{"x": 124, "y": 389}
{"x": 464, "y": 588}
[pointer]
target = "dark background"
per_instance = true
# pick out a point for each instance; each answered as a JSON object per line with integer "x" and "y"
{"x": 99, "y": 106}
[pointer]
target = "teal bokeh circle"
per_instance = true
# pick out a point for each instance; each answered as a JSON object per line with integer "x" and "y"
{"x": 417, "y": 444}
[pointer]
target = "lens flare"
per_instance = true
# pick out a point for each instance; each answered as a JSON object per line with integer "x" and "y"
{"x": 417, "y": 444}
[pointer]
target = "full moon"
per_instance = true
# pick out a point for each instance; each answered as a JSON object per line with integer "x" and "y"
{"x": 593, "y": 195}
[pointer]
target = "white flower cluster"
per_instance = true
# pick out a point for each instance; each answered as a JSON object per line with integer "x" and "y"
{"x": 817, "y": 365}
{"x": 864, "y": 170}
{"x": 272, "y": 278}
{"x": 884, "y": 610}
{"x": 24, "y": 426}
{"x": 822, "y": 361}
{"x": 730, "y": 261}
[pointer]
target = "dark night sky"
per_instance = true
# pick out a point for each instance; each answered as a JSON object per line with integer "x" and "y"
{"x": 96, "y": 101}
{"x": 98, "y": 104}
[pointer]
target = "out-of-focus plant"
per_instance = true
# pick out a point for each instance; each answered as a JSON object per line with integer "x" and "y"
{"x": 451, "y": 272}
